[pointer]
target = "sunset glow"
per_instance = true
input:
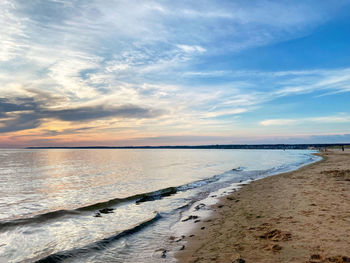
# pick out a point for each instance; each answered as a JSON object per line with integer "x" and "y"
{"x": 80, "y": 73}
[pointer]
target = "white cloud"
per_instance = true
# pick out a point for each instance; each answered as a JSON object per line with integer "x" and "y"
{"x": 192, "y": 49}
{"x": 219, "y": 113}
{"x": 340, "y": 118}
{"x": 117, "y": 67}
{"x": 278, "y": 122}
{"x": 67, "y": 73}
{"x": 330, "y": 119}
{"x": 11, "y": 31}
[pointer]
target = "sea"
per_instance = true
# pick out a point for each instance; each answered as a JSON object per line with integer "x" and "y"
{"x": 118, "y": 205}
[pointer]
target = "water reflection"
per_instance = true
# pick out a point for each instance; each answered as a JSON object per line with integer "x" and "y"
{"x": 35, "y": 182}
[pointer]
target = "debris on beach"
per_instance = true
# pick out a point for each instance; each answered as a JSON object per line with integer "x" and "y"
{"x": 173, "y": 239}
{"x": 191, "y": 217}
{"x": 200, "y": 206}
{"x": 106, "y": 210}
{"x": 163, "y": 252}
{"x": 103, "y": 211}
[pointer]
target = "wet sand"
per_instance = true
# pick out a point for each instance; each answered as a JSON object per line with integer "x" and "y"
{"x": 301, "y": 216}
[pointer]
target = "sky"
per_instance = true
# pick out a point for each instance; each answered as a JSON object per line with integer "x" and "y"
{"x": 135, "y": 72}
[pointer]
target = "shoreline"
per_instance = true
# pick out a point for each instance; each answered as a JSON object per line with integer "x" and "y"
{"x": 204, "y": 208}
{"x": 297, "y": 216}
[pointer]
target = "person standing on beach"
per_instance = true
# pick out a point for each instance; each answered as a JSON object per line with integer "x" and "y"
{"x": 342, "y": 148}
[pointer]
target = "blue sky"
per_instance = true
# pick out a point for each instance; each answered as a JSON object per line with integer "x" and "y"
{"x": 173, "y": 72}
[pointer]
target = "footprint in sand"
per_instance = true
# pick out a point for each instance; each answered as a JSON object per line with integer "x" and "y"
{"x": 276, "y": 235}
{"x": 316, "y": 258}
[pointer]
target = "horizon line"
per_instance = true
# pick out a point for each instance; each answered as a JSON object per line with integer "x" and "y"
{"x": 212, "y": 146}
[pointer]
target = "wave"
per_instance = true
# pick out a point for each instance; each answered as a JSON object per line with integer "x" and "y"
{"x": 151, "y": 196}
{"x": 138, "y": 199}
{"x": 35, "y": 219}
{"x": 98, "y": 245}
{"x": 78, "y": 211}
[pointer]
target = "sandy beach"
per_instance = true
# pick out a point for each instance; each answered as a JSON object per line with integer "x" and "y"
{"x": 300, "y": 216}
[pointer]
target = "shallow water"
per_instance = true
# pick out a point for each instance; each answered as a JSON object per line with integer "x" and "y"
{"x": 53, "y": 202}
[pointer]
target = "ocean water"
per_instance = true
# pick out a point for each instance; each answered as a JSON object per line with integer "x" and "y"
{"x": 115, "y": 205}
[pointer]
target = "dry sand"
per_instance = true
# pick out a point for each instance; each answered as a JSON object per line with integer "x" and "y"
{"x": 301, "y": 216}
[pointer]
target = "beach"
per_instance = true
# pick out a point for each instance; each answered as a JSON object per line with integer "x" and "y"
{"x": 300, "y": 216}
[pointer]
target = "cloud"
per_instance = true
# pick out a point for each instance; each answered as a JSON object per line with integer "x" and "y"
{"x": 340, "y": 118}
{"x": 277, "y": 122}
{"x": 191, "y": 49}
{"x": 53, "y": 132}
{"x": 20, "y": 122}
{"x": 99, "y": 112}
{"x": 27, "y": 113}
{"x": 12, "y": 31}
{"x": 253, "y": 89}
{"x": 219, "y": 113}
{"x": 20, "y": 104}
{"x": 146, "y": 65}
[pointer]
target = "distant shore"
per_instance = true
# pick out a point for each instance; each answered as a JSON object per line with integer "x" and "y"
{"x": 300, "y": 216}
{"x": 319, "y": 146}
